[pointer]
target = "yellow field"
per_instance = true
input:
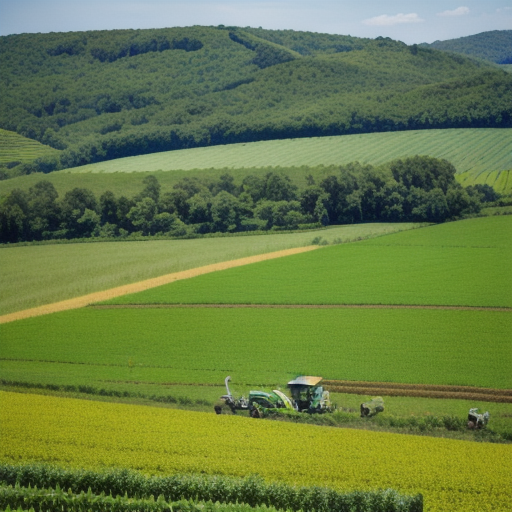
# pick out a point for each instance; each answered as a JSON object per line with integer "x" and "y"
{"x": 452, "y": 475}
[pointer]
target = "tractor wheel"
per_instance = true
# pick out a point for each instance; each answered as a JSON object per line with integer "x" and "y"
{"x": 218, "y": 409}
{"x": 471, "y": 425}
{"x": 255, "y": 413}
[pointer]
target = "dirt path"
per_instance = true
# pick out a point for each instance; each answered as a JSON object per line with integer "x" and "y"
{"x": 85, "y": 300}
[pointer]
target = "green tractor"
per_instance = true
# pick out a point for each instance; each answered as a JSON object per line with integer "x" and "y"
{"x": 307, "y": 396}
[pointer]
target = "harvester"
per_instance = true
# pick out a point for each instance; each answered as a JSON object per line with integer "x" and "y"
{"x": 307, "y": 396}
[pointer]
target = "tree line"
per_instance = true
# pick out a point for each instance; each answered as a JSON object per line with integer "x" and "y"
{"x": 494, "y": 46}
{"x": 418, "y": 189}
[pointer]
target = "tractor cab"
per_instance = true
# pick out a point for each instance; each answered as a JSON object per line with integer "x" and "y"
{"x": 308, "y": 396}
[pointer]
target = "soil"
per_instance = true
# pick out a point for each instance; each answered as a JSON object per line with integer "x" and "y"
{"x": 419, "y": 390}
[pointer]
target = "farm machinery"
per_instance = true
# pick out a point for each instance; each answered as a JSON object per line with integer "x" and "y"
{"x": 477, "y": 420}
{"x": 372, "y": 407}
{"x": 307, "y": 396}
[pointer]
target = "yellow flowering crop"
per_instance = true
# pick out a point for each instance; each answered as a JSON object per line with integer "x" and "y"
{"x": 452, "y": 475}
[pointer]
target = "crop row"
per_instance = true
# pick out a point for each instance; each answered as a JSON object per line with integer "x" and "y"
{"x": 450, "y": 474}
{"x": 217, "y": 492}
{"x": 57, "y": 500}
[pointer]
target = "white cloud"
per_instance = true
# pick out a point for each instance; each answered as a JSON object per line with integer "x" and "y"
{"x": 504, "y": 9}
{"x": 386, "y": 20}
{"x": 460, "y": 11}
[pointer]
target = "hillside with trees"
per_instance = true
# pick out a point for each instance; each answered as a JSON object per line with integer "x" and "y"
{"x": 102, "y": 95}
{"x": 494, "y": 46}
{"x": 418, "y": 189}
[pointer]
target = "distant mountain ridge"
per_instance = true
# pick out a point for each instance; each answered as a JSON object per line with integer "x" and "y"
{"x": 108, "y": 94}
{"x": 494, "y": 46}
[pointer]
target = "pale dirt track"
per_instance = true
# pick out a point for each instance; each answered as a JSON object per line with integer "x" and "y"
{"x": 85, "y": 300}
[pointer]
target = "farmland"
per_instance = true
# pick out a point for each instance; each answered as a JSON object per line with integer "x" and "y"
{"x": 36, "y": 275}
{"x": 421, "y": 317}
{"x": 16, "y": 148}
{"x": 439, "y": 265}
{"x": 93, "y": 435}
{"x": 178, "y": 357}
{"x": 480, "y": 155}
{"x": 191, "y": 345}
{"x": 469, "y": 150}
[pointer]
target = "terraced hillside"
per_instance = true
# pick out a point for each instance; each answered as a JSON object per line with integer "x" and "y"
{"x": 16, "y": 148}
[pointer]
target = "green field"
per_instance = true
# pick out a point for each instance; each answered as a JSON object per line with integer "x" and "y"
{"x": 180, "y": 356}
{"x": 40, "y": 274}
{"x": 16, "y": 148}
{"x": 480, "y": 155}
{"x": 438, "y": 265}
{"x": 471, "y": 150}
{"x": 260, "y": 346}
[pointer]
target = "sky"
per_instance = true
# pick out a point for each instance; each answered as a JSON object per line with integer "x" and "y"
{"x": 410, "y": 21}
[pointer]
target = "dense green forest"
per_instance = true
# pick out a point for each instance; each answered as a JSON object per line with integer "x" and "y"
{"x": 494, "y": 46}
{"x": 107, "y": 94}
{"x": 419, "y": 189}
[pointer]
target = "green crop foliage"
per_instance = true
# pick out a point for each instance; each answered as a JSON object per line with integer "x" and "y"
{"x": 501, "y": 181}
{"x": 260, "y": 346}
{"x": 221, "y": 493}
{"x": 437, "y": 265}
{"x": 16, "y": 148}
{"x": 469, "y": 150}
{"x": 36, "y": 275}
{"x": 450, "y": 474}
{"x": 480, "y": 155}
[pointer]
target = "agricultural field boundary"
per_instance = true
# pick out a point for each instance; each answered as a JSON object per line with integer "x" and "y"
{"x": 300, "y": 306}
{"x": 419, "y": 390}
{"x": 85, "y": 300}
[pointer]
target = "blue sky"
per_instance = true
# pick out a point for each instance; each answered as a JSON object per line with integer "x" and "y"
{"x": 407, "y": 21}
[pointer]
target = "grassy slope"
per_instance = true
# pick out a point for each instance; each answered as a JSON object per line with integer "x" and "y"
{"x": 479, "y": 155}
{"x": 16, "y": 148}
{"x": 36, "y": 275}
{"x": 439, "y": 265}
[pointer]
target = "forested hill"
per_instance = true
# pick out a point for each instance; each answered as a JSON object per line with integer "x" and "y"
{"x": 494, "y": 46}
{"x": 108, "y": 94}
